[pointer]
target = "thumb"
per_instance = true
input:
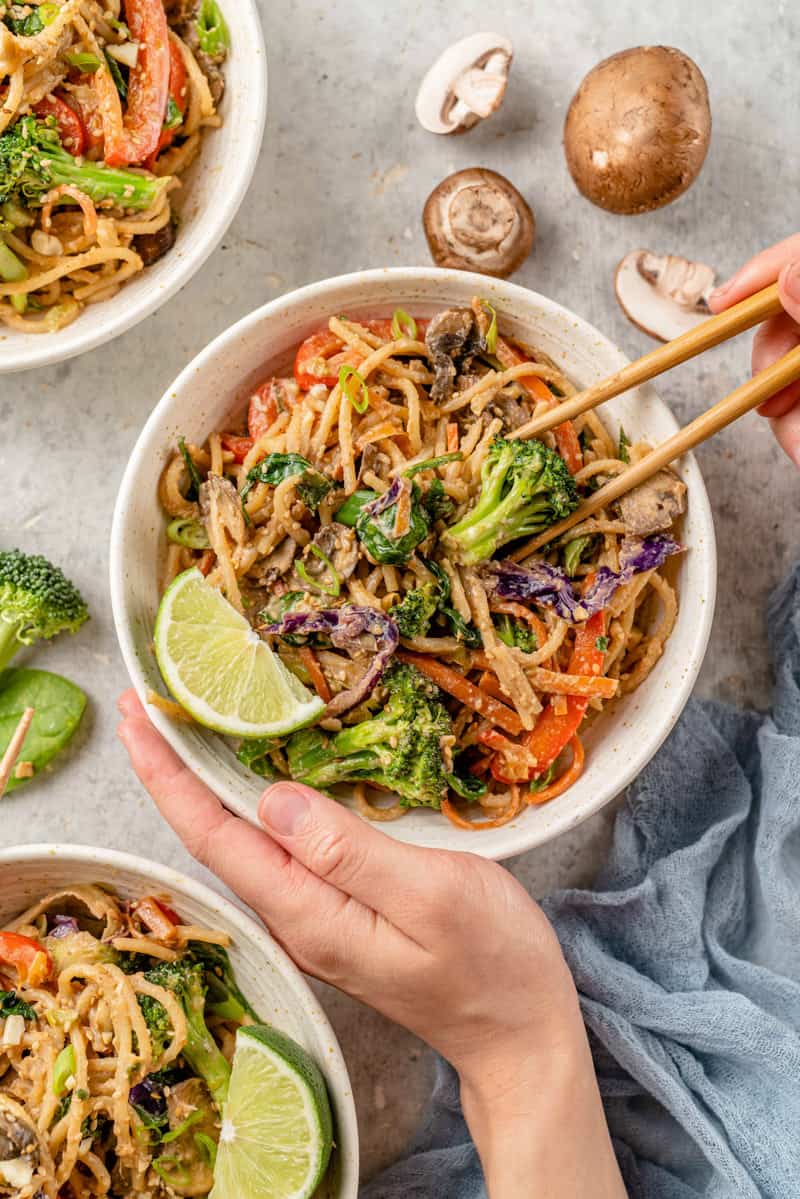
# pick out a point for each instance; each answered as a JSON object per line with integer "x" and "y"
{"x": 789, "y": 287}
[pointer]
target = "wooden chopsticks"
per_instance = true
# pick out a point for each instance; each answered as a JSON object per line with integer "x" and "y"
{"x": 710, "y": 333}
{"x": 14, "y": 748}
{"x": 705, "y": 336}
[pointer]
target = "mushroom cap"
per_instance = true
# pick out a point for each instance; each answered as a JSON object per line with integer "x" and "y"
{"x": 638, "y": 129}
{"x": 466, "y": 84}
{"x": 475, "y": 220}
{"x": 663, "y": 294}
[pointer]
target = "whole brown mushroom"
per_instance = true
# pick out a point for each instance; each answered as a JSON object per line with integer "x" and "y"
{"x": 475, "y": 220}
{"x": 638, "y": 129}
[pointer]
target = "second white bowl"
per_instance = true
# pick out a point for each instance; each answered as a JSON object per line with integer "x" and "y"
{"x": 206, "y": 393}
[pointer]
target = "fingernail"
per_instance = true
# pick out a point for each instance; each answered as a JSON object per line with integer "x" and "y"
{"x": 284, "y": 810}
{"x": 791, "y": 281}
{"x": 720, "y": 291}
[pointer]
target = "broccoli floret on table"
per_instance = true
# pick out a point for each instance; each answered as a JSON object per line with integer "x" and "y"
{"x": 400, "y": 748}
{"x": 524, "y": 488}
{"x": 37, "y": 602}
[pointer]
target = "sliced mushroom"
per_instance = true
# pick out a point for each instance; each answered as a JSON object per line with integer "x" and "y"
{"x": 276, "y": 564}
{"x": 653, "y": 506}
{"x": 453, "y": 338}
{"x": 152, "y": 246}
{"x": 466, "y": 84}
{"x": 97, "y": 911}
{"x": 638, "y": 129}
{"x": 475, "y": 220}
{"x": 221, "y": 508}
{"x": 19, "y": 1147}
{"x": 339, "y": 544}
{"x": 664, "y": 294}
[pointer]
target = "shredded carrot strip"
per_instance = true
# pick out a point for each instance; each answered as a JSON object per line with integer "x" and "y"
{"x": 570, "y": 775}
{"x": 452, "y": 438}
{"x": 454, "y": 816}
{"x": 309, "y": 660}
{"x": 490, "y": 683}
{"x": 465, "y": 692}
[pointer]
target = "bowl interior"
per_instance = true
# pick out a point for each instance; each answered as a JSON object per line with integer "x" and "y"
{"x": 216, "y": 385}
{"x": 212, "y": 191}
{"x": 268, "y": 978}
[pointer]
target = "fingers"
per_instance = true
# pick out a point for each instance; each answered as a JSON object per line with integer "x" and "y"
{"x": 338, "y": 846}
{"x": 325, "y": 931}
{"x": 757, "y": 273}
{"x": 774, "y": 339}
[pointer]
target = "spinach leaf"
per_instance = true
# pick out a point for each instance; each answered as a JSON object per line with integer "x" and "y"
{"x": 10, "y": 1005}
{"x": 58, "y": 706}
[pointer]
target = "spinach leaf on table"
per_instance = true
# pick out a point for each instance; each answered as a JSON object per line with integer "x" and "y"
{"x": 58, "y": 706}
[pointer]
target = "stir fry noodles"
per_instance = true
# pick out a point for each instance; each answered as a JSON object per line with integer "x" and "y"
{"x": 372, "y": 522}
{"x": 118, "y": 1026}
{"x": 102, "y": 110}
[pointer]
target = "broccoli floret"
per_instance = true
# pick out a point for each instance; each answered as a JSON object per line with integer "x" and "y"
{"x": 400, "y": 748}
{"x": 414, "y": 613}
{"x": 186, "y": 979}
{"x": 516, "y": 633}
{"x": 36, "y": 602}
{"x": 158, "y": 1025}
{"x": 224, "y": 999}
{"x": 32, "y": 161}
{"x": 524, "y": 488}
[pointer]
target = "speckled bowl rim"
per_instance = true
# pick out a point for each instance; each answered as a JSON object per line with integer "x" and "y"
{"x": 86, "y": 858}
{"x": 202, "y": 227}
{"x": 535, "y": 826}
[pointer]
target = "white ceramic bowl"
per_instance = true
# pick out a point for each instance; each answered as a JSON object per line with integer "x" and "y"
{"x": 210, "y": 388}
{"x": 213, "y": 189}
{"x": 271, "y": 982}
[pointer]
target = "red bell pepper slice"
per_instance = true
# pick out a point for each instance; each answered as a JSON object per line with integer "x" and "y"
{"x": 31, "y": 961}
{"x": 566, "y": 438}
{"x": 178, "y": 93}
{"x": 319, "y": 359}
{"x": 71, "y": 129}
{"x": 553, "y": 731}
{"x": 134, "y": 139}
{"x": 262, "y": 411}
{"x": 240, "y": 447}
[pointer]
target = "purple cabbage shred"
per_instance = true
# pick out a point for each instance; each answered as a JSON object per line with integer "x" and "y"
{"x": 355, "y": 630}
{"x": 552, "y": 587}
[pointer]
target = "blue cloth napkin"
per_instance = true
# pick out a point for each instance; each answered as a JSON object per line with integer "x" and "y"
{"x": 687, "y": 959}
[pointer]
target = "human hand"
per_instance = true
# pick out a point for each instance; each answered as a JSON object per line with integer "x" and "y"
{"x": 447, "y": 944}
{"x": 776, "y": 336}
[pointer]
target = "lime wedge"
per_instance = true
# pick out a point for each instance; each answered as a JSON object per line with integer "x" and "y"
{"x": 277, "y": 1130}
{"x": 220, "y": 670}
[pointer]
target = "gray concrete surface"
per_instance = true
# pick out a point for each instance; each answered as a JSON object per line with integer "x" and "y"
{"x": 340, "y": 186}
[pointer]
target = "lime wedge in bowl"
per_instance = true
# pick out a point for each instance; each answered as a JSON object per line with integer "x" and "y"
{"x": 220, "y": 670}
{"x": 277, "y": 1129}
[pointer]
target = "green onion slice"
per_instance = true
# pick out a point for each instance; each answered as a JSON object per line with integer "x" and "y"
{"x": 88, "y": 63}
{"x": 335, "y": 588}
{"x": 432, "y": 463}
{"x": 403, "y": 325}
{"x": 188, "y": 532}
{"x": 64, "y": 1069}
{"x": 354, "y": 387}
{"x": 491, "y": 335}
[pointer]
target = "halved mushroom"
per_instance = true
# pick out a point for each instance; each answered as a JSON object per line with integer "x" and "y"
{"x": 664, "y": 294}
{"x": 475, "y": 220}
{"x": 453, "y": 336}
{"x": 638, "y": 129}
{"x": 19, "y": 1147}
{"x": 466, "y": 84}
{"x": 654, "y": 505}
